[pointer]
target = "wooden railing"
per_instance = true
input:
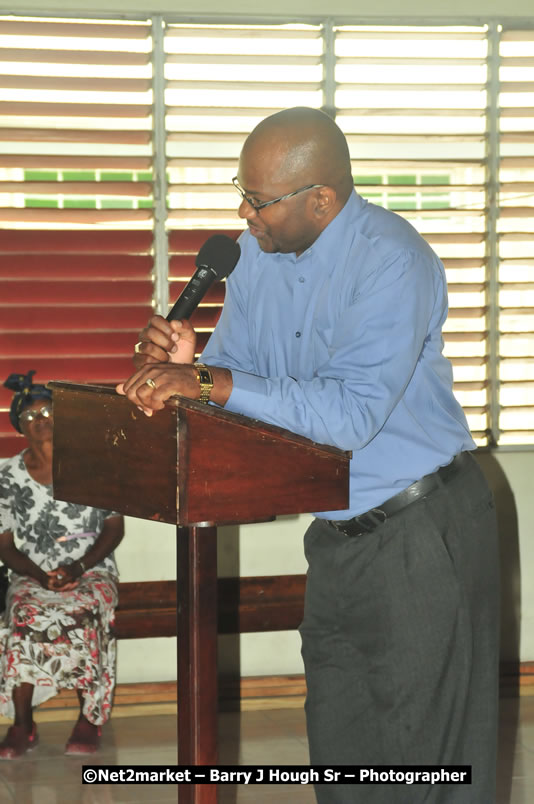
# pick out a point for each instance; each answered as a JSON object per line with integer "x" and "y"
{"x": 245, "y": 605}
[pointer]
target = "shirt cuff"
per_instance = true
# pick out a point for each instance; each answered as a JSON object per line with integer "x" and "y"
{"x": 249, "y": 394}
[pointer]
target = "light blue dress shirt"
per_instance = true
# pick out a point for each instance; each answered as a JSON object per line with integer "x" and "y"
{"x": 343, "y": 345}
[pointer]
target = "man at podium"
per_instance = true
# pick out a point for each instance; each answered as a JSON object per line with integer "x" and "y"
{"x": 332, "y": 328}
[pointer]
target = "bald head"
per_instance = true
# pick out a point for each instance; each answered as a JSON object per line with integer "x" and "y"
{"x": 304, "y": 146}
{"x": 295, "y": 178}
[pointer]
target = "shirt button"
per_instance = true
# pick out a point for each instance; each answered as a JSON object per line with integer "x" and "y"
{"x": 301, "y": 279}
{"x": 297, "y": 334}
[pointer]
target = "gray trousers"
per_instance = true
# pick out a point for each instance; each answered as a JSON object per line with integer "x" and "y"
{"x": 400, "y": 645}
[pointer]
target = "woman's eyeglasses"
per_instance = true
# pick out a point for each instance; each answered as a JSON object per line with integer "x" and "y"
{"x": 32, "y": 413}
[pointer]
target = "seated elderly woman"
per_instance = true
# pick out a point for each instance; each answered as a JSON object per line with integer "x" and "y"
{"x": 63, "y": 587}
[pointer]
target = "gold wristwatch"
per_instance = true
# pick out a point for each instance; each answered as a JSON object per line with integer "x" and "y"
{"x": 206, "y": 382}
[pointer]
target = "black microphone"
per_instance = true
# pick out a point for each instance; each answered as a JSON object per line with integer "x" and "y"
{"x": 216, "y": 259}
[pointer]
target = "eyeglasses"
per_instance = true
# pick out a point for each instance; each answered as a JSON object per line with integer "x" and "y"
{"x": 31, "y": 414}
{"x": 257, "y": 205}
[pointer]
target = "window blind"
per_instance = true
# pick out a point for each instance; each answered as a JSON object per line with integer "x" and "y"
{"x": 76, "y": 123}
{"x": 516, "y": 237}
{"x": 220, "y": 82}
{"x": 412, "y": 103}
{"x": 75, "y": 199}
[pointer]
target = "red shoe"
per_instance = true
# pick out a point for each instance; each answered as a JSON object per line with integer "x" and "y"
{"x": 85, "y": 739}
{"x": 17, "y": 742}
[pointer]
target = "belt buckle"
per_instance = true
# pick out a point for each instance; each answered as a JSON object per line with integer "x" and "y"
{"x": 379, "y": 514}
{"x": 342, "y": 526}
{"x": 371, "y": 519}
{"x": 366, "y": 523}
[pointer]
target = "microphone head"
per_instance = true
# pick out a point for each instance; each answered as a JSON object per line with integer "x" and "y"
{"x": 220, "y": 254}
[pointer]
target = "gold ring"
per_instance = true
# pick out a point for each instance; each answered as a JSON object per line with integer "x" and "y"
{"x": 137, "y": 348}
{"x": 151, "y": 384}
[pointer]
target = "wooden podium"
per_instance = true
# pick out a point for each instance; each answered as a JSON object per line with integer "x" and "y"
{"x": 196, "y": 466}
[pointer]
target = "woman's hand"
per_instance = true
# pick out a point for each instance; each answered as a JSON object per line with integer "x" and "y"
{"x": 19, "y": 562}
{"x": 64, "y": 578}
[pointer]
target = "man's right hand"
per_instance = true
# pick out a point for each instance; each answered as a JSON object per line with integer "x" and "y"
{"x": 164, "y": 341}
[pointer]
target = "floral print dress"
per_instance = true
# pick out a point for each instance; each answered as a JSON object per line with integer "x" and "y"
{"x": 56, "y": 640}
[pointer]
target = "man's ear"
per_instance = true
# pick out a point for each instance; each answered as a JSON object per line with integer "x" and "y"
{"x": 325, "y": 201}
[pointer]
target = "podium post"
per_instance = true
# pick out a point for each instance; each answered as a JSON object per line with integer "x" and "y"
{"x": 195, "y": 466}
{"x": 197, "y": 687}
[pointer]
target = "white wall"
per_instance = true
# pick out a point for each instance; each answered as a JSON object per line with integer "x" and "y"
{"x": 511, "y": 476}
{"x": 148, "y": 552}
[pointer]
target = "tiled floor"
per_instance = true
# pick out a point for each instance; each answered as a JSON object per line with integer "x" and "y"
{"x": 266, "y": 737}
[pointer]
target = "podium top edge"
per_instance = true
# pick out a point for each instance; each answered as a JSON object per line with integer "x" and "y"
{"x": 109, "y": 389}
{"x": 81, "y": 386}
{"x": 209, "y": 410}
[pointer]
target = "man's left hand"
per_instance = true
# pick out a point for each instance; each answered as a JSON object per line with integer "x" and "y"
{"x": 149, "y": 387}
{"x": 154, "y": 383}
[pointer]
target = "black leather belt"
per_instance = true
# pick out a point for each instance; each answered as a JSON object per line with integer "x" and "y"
{"x": 365, "y": 523}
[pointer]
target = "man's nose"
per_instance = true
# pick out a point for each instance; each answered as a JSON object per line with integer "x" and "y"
{"x": 246, "y": 210}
